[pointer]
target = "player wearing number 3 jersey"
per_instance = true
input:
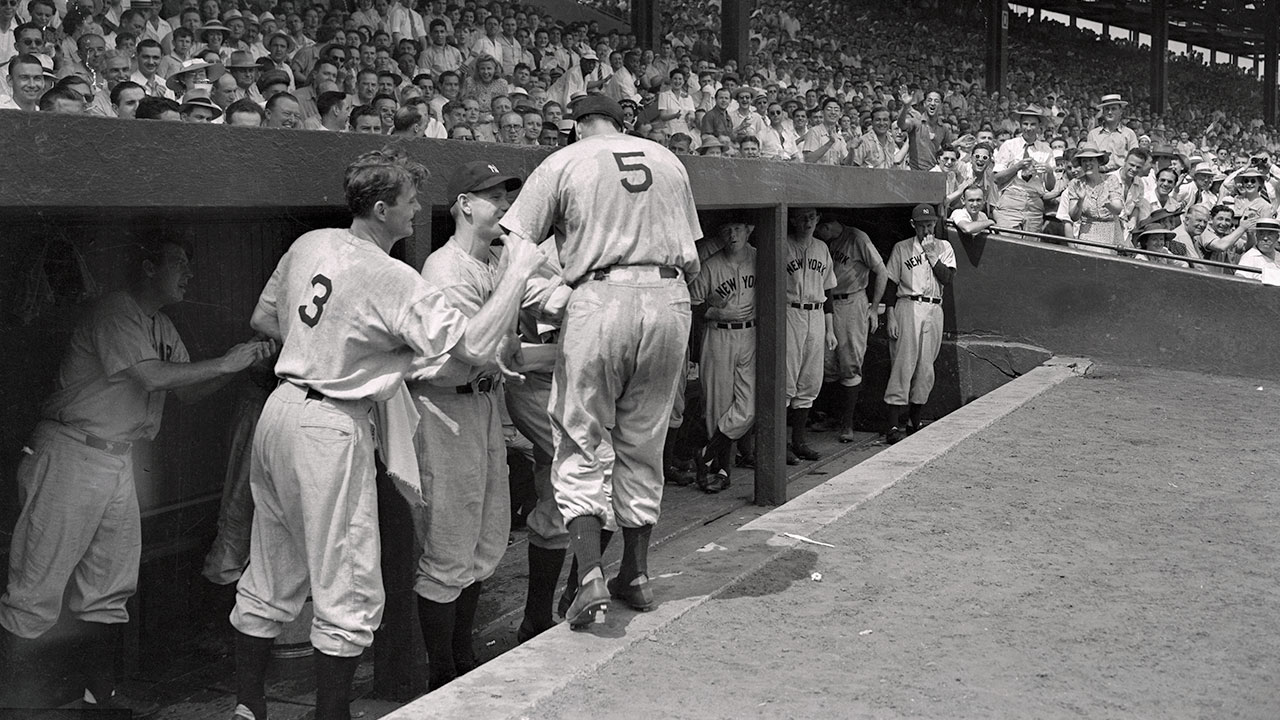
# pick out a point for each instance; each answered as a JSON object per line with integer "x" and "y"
{"x": 625, "y": 211}
{"x": 351, "y": 320}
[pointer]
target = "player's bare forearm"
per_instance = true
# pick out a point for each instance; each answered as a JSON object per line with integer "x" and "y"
{"x": 158, "y": 375}
{"x": 266, "y": 323}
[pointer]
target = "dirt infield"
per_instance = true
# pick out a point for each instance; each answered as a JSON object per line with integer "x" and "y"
{"x": 1109, "y": 550}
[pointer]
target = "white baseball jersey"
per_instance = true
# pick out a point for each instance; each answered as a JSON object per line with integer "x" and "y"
{"x": 617, "y": 200}
{"x": 735, "y": 282}
{"x": 909, "y": 267}
{"x": 849, "y": 254}
{"x": 353, "y": 337}
{"x": 809, "y": 271}
{"x": 92, "y": 391}
{"x": 466, "y": 284}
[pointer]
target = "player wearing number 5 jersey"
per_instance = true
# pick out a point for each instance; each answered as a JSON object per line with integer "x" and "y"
{"x": 351, "y": 320}
{"x": 625, "y": 211}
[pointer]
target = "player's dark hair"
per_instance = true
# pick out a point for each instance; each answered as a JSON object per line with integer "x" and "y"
{"x": 151, "y": 250}
{"x": 381, "y": 175}
{"x": 360, "y": 111}
{"x": 245, "y": 105}
{"x": 329, "y": 100}
{"x": 121, "y": 87}
{"x": 151, "y": 108}
{"x": 1140, "y": 153}
{"x": 279, "y": 98}
{"x": 50, "y": 98}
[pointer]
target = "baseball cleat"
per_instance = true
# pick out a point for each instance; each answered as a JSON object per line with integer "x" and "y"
{"x": 894, "y": 435}
{"x": 791, "y": 456}
{"x": 136, "y": 707}
{"x": 746, "y": 460}
{"x": 590, "y": 604}
{"x": 716, "y": 482}
{"x": 804, "y": 452}
{"x": 847, "y": 436}
{"x": 637, "y": 597}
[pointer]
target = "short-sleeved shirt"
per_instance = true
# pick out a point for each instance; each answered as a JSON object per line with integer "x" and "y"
{"x": 962, "y": 215}
{"x": 466, "y": 284}
{"x": 851, "y": 256}
{"x": 1118, "y": 142}
{"x": 909, "y": 267}
{"x": 1270, "y": 268}
{"x": 93, "y": 392}
{"x": 735, "y": 282}
{"x": 614, "y": 200}
{"x": 352, "y": 318}
{"x": 923, "y": 141}
{"x": 809, "y": 270}
{"x": 871, "y": 153}
{"x": 816, "y": 137}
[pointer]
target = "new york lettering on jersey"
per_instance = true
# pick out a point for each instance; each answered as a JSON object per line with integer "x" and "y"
{"x": 730, "y": 282}
{"x": 809, "y": 262}
{"x": 909, "y": 267}
{"x": 848, "y": 254}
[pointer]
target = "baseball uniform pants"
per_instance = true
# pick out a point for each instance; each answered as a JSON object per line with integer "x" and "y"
{"x": 728, "y": 373}
{"x": 852, "y": 319}
{"x": 913, "y": 353}
{"x": 315, "y": 523}
{"x": 79, "y": 523}
{"x": 806, "y": 340}
{"x": 462, "y": 463}
{"x": 225, "y": 561}
{"x": 622, "y": 356}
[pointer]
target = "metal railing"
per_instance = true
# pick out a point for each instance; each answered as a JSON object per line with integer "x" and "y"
{"x": 1060, "y": 240}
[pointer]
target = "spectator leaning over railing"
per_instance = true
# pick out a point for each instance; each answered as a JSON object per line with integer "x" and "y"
{"x": 1266, "y": 232}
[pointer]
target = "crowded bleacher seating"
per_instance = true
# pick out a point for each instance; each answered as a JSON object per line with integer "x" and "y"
{"x": 893, "y": 89}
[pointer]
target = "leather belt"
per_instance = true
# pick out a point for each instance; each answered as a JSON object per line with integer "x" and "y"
{"x": 845, "y": 296}
{"x": 107, "y": 446}
{"x": 664, "y": 271}
{"x": 924, "y": 299}
{"x": 480, "y": 385}
{"x": 736, "y": 325}
{"x": 805, "y": 306}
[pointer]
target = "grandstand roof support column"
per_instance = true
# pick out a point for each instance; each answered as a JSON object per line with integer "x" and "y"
{"x": 771, "y": 357}
{"x": 643, "y": 23}
{"x": 1159, "y": 55}
{"x": 997, "y": 13}
{"x": 735, "y": 20}
{"x": 1271, "y": 51}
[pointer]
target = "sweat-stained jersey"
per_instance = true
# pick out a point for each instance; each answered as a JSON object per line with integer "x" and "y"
{"x": 809, "y": 271}
{"x": 909, "y": 267}
{"x": 466, "y": 284}
{"x": 735, "y": 282}
{"x": 849, "y": 254}
{"x": 616, "y": 200}
{"x": 352, "y": 318}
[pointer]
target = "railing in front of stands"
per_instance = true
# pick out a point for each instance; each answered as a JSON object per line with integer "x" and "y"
{"x": 1059, "y": 240}
{"x": 620, "y": 9}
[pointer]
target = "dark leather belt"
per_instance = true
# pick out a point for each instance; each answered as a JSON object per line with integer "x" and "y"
{"x": 924, "y": 299}
{"x": 107, "y": 446}
{"x": 844, "y": 296}
{"x": 736, "y": 325}
{"x": 805, "y": 306}
{"x": 479, "y": 385}
{"x": 664, "y": 271}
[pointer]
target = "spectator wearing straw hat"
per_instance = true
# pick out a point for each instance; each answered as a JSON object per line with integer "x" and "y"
{"x": 1202, "y": 175}
{"x": 1022, "y": 171}
{"x": 1266, "y": 233}
{"x": 1250, "y": 203}
{"x": 214, "y": 37}
{"x": 190, "y": 73}
{"x": 1112, "y": 136}
{"x": 1152, "y": 237}
{"x": 1090, "y": 207}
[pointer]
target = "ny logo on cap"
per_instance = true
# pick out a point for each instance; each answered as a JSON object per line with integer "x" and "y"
{"x": 493, "y": 169}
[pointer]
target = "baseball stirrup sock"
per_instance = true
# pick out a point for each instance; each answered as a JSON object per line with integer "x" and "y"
{"x": 437, "y": 620}
{"x": 850, "y": 405}
{"x": 464, "y": 655}
{"x": 584, "y": 536}
{"x": 252, "y": 656}
{"x": 572, "y": 581}
{"x": 544, "y": 572}
{"x": 98, "y": 658}
{"x": 915, "y": 411}
{"x": 895, "y": 416}
{"x": 715, "y": 449}
{"x": 635, "y": 552}
{"x": 798, "y": 427}
{"x": 333, "y": 685}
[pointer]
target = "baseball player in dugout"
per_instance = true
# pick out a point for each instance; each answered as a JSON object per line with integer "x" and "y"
{"x": 725, "y": 293}
{"x": 79, "y": 520}
{"x": 810, "y": 328}
{"x": 856, "y": 263}
{"x": 351, "y": 321}
{"x": 462, "y": 454}
{"x": 919, "y": 267}
{"x": 626, "y": 228}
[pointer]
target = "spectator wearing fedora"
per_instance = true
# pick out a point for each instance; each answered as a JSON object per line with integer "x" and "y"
{"x": 245, "y": 70}
{"x": 1023, "y": 174}
{"x": 1112, "y": 136}
{"x": 197, "y": 107}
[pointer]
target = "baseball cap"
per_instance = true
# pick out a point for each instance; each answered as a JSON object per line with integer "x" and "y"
{"x": 923, "y": 213}
{"x": 597, "y": 105}
{"x": 479, "y": 175}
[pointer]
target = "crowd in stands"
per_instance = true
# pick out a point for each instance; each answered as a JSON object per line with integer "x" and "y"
{"x": 899, "y": 86}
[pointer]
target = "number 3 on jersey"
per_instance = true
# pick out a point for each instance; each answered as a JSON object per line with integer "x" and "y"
{"x": 318, "y": 301}
{"x": 630, "y": 167}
